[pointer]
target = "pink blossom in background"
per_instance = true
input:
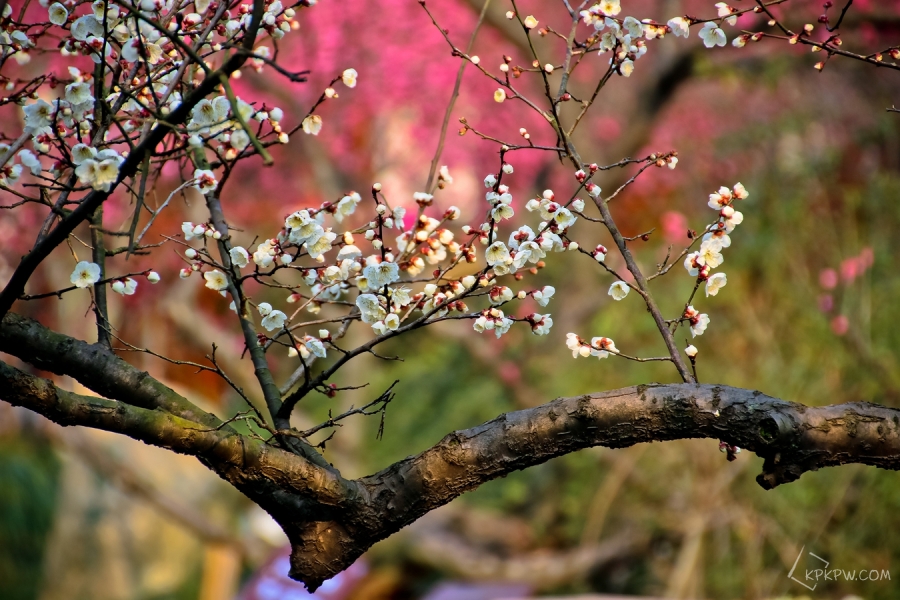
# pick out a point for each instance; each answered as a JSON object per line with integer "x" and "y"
{"x": 850, "y": 269}
{"x": 828, "y": 279}
{"x": 826, "y": 303}
{"x": 674, "y": 227}
{"x": 840, "y": 325}
{"x": 867, "y": 257}
{"x": 608, "y": 128}
{"x": 509, "y": 372}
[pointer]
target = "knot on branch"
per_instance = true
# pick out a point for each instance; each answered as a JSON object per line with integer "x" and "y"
{"x": 776, "y": 429}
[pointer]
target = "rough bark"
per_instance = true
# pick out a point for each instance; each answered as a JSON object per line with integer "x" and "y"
{"x": 331, "y": 521}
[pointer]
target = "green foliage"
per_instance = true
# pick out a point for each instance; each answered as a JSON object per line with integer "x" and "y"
{"x": 28, "y": 485}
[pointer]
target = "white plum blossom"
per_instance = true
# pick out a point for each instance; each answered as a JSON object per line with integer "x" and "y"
{"x": 573, "y": 343}
{"x": 216, "y": 280}
{"x": 10, "y": 175}
{"x": 634, "y": 27}
{"x": 720, "y": 199}
{"x": 400, "y": 296}
{"x": 698, "y": 321}
{"x": 540, "y": 324}
{"x": 85, "y": 274}
{"x": 712, "y": 35}
{"x": 715, "y": 283}
{"x": 680, "y": 26}
{"x": 382, "y": 274}
{"x": 490, "y": 181}
{"x": 349, "y": 77}
{"x": 691, "y": 264}
{"x": 543, "y": 295}
{"x": 319, "y": 244}
{"x": 205, "y": 181}
{"x": 492, "y": 320}
{"x": 239, "y": 140}
{"x": 497, "y": 254}
{"x": 125, "y": 288}
{"x": 528, "y": 252}
{"x": 349, "y": 252}
{"x": 99, "y": 174}
{"x": 530, "y": 22}
{"x": 499, "y": 295}
{"x": 273, "y": 320}
{"x": 346, "y": 206}
{"x": 389, "y": 323}
{"x": 444, "y": 177}
{"x": 239, "y": 257}
{"x": 85, "y": 27}
{"x": 564, "y": 218}
{"x": 79, "y": 92}
{"x": 619, "y": 290}
{"x": 601, "y": 347}
{"x": 698, "y": 327}
{"x": 207, "y": 113}
{"x": 303, "y": 227}
{"x": 82, "y": 152}
{"x": 392, "y": 322}
{"x": 370, "y": 309}
{"x": 192, "y": 231}
{"x": 58, "y": 14}
{"x": 733, "y": 221}
{"x": 312, "y": 124}
{"x": 725, "y": 11}
{"x": 30, "y": 161}
{"x": 315, "y": 346}
{"x": 710, "y": 253}
{"x": 38, "y": 115}
{"x": 610, "y": 8}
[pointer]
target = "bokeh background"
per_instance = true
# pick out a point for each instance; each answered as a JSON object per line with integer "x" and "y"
{"x": 809, "y": 314}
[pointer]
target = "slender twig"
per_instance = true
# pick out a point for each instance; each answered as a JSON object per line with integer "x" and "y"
{"x": 453, "y": 96}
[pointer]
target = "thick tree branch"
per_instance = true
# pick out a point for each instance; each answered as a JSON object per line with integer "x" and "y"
{"x": 275, "y": 479}
{"x": 94, "y": 366}
{"x": 792, "y": 438}
{"x": 331, "y": 521}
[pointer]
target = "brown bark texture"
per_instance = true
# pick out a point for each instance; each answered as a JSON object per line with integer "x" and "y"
{"x": 331, "y": 520}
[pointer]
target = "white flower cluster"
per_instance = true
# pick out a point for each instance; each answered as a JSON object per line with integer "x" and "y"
{"x": 87, "y": 274}
{"x": 711, "y": 33}
{"x": 700, "y": 263}
{"x": 142, "y": 39}
{"x": 624, "y": 37}
{"x": 380, "y": 284}
{"x": 601, "y": 347}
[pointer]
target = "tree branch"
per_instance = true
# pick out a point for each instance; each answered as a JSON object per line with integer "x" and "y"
{"x": 94, "y": 366}
{"x": 278, "y": 481}
{"x": 792, "y": 438}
